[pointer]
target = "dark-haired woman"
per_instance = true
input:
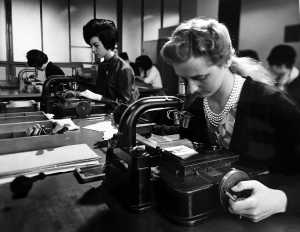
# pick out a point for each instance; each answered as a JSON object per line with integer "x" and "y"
{"x": 39, "y": 60}
{"x": 115, "y": 77}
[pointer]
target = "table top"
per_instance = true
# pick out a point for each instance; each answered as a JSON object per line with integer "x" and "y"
{"x": 21, "y": 96}
{"x": 60, "y": 203}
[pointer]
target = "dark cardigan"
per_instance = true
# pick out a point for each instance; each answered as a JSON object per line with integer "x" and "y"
{"x": 52, "y": 69}
{"x": 293, "y": 89}
{"x": 116, "y": 81}
{"x": 266, "y": 131}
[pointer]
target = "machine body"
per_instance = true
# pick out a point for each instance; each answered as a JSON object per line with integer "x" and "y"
{"x": 180, "y": 178}
{"x": 60, "y": 97}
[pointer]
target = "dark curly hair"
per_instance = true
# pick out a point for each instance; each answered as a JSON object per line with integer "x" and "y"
{"x": 144, "y": 62}
{"x": 36, "y": 58}
{"x": 282, "y": 55}
{"x": 104, "y": 29}
{"x": 124, "y": 55}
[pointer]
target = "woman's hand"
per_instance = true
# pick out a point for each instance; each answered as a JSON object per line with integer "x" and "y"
{"x": 90, "y": 95}
{"x": 262, "y": 203}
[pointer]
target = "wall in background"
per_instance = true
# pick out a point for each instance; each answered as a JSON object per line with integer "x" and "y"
{"x": 189, "y": 10}
{"x": 172, "y": 12}
{"x": 171, "y": 15}
{"x": 2, "y": 73}
{"x": 26, "y": 27}
{"x": 152, "y": 19}
{"x": 56, "y": 30}
{"x": 80, "y": 13}
{"x": 198, "y": 8}
{"x": 47, "y": 26}
{"x": 132, "y": 32}
{"x": 262, "y": 24}
{"x": 54, "y": 26}
{"x": 208, "y": 8}
{"x": 2, "y": 32}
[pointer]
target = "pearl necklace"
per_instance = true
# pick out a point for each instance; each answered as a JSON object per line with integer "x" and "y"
{"x": 215, "y": 118}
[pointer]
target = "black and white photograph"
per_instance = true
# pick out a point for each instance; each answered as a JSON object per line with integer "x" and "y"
{"x": 149, "y": 115}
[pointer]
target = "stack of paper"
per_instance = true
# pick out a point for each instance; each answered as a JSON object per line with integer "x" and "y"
{"x": 48, "y": 161}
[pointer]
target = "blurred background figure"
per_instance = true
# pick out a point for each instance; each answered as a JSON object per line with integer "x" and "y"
{"x": 248, "y": 53}
{"x": 125, "y": 57}
{"x": 148, "y": 72}
{"x": 282, "y": 65}
{"x": 39, "y": 60}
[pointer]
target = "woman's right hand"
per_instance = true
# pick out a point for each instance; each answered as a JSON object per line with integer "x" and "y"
{"x": 90, "y": 95}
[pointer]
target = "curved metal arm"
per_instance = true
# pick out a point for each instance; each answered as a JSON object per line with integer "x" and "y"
{"x": 128, "y": 121}
{"x": 54, "y": 80}
{"x": 25, "y": 71}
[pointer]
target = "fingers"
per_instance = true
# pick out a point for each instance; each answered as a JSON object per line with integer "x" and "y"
{"x": 259, "y": 218}
{"x": 262, "y": 203}
{"x": 244, "y": 185}
{"x": 243, "y": 206}
{"x": 254, "y": 217}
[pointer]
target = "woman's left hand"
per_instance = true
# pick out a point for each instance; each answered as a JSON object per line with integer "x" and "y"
{"x": 262, "y": 203}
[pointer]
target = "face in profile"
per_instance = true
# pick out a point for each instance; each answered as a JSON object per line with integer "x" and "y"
{"x": 279, "y": 70}
{"x": 97, "y": 47}
{"x": 202, "y": 76}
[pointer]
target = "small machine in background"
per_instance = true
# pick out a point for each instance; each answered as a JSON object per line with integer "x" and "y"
{"x": 29, "y": 82}
{"x": 86, "y": 75}
{"x": 60, "y": 97}
{"x": 23, "y": 97}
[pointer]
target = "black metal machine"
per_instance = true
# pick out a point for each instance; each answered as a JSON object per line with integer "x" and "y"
{"x": 29, "y": 82}
{"x": 184, "y": 180}
{"x": 60, "y": 97}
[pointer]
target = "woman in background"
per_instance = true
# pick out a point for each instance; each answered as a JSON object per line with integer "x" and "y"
{"x": 148, "y": 72}
{"x": 286, "y": 75}
{"x": 235, "y": 108}
{"x": 39, "y": 60}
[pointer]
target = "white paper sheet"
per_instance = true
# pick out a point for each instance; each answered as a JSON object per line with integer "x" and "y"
{"x": 105, "y": 126}
{"x": 46, "y": 159}
{"x": 66, "y": 122}
{"x": 181, "y": 151}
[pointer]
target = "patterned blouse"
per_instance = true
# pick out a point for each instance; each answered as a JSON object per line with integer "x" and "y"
{"x": 221, "y": 135}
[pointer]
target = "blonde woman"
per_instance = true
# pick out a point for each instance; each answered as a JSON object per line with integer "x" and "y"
{"x": 235, "y": 108}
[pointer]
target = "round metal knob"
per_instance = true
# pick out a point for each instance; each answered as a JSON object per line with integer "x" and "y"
{"x": 229, "y": 180}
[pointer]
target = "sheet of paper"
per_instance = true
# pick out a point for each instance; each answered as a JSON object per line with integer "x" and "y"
{"x": 181, "y": 151}
{"x": 45, "y": 159}
{"x": 100, "y": 126}
{"x": 105, "y": 126}
{"x": 53, "y": 171}
{"x": 67, "y": 122}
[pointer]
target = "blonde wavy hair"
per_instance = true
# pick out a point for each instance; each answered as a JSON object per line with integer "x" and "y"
{"x": 201, "y": 37}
